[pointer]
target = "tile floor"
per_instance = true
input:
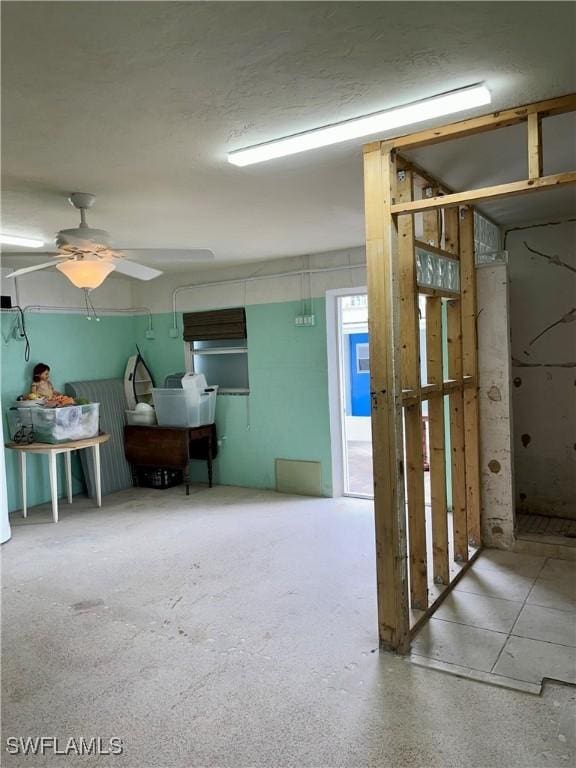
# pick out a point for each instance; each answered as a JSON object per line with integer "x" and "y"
{"x": 360, "y": 477}
{"x": 511, "y": 617}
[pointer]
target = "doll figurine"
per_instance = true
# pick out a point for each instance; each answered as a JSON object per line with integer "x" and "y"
{"x": 41, "y": 384}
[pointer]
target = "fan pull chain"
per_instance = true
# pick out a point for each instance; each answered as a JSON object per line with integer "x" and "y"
{"x": 90, "y": 311}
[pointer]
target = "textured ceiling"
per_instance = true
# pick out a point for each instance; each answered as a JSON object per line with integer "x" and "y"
{"x": 140, "y": 102}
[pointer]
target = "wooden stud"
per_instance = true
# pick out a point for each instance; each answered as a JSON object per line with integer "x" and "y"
{"x": 451, "y": 239}
{"x": 456, "y": 401}
{"x": 416, "y": 507}
{"x": 410, "y": 377}
{"x": 409, "y": 325}
{"x": 437, "y": 447}
{"x": 459, "y": 522}
{"x": 470, "y": 368}
{"x": 389, "y": 512}
{"x": 490, "y": 122}
{"x": 486, "y": 193}
{"x": 432, "y": 221}
{"x": 535, "y": 164}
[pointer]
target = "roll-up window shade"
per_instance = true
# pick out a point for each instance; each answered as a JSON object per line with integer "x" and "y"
{"x": 216, "y": 324}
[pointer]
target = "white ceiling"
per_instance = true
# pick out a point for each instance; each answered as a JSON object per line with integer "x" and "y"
{"x": 140, "y": 102}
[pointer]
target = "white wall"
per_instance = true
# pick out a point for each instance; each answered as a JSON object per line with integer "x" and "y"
{"x": 495, "y": 408}
{"x": 544, "y": 371}
{"x": 157, "y": 294}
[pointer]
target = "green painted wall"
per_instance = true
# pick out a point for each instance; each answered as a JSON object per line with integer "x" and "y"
{"x": 75, "y": 348}
{"x": 286, "y": 414}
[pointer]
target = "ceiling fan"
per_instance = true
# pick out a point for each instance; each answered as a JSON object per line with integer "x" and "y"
{"x": 86, "y": 258}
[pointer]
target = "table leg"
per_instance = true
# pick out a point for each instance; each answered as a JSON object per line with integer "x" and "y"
{"x": 53, "y": 484}
{"x": 96, "y": 449}
{"x": 24, "y": 484}
{"x": 210, "y": 461}
{"x": 68, "y": 457}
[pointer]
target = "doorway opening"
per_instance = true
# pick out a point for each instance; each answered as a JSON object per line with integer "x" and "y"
{"x": 349, "y": 363}
{"x": 354, "y": 374}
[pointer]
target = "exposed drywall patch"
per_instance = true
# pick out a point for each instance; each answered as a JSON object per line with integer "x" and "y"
{"x": 526, "y": 440}
{"x": 494, "y": 394}
{"x": 494, "y": 466}
{"x": 497, "y": 530}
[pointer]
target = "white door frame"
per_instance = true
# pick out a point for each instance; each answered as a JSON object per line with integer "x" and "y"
{"x": 336, "y": 385}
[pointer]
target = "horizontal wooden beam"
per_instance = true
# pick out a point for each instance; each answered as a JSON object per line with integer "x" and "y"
{"x": 440, "y": 293}
{"x": 434, "y": 249}
{"x": 486, "y": 193}
{"x": 427, "y": 391}
{"x": 490, "y": 122}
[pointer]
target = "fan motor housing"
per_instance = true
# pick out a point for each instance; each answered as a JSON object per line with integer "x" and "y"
{"x": 83, "y": 237}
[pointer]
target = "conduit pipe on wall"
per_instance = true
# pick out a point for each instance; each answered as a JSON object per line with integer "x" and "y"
{"x": 254, "y": 278}
{"x": 82, "y": 311}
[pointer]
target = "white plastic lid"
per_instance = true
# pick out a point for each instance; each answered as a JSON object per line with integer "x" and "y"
{"x": 194, "y": 381}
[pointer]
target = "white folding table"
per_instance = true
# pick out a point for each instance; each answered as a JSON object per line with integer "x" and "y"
{"x": 52, "y": 451}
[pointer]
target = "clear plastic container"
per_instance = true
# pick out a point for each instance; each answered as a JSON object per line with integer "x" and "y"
{"x": 185, "y": 407}
{"x": 54, "y": 425}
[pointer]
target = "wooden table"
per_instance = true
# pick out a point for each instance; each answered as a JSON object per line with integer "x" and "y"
{"x": 52, "y": 450}
{"x": 171, "y": 447}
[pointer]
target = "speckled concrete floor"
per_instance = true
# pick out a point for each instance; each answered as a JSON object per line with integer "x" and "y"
{"x": 236, "y": 628}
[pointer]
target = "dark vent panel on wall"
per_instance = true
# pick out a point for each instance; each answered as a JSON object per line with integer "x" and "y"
{"x": 215, "y": 325}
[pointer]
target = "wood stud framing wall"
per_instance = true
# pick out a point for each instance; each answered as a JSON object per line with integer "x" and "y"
{"x": 395, "y": 190}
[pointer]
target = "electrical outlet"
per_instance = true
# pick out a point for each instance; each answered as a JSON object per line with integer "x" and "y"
{"x": 150, "y": 334}
{"x": 305, "y": 320}
{"x": 174, "y": 333}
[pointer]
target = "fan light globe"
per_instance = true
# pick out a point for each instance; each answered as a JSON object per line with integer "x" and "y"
{"x": 84, "y": 273}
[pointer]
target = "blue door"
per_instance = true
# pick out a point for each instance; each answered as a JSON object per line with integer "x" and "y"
{"x": 359, "y": 374}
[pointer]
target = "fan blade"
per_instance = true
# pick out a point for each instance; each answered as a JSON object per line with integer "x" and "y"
{"x": 139, "y": 271}
{"x": 174, "y": 254}
{"x": 25, "y": 270}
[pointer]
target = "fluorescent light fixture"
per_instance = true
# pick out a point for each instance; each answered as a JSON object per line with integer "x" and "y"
{"x": 378, "y": 122}
{"x": 25, "y": 242}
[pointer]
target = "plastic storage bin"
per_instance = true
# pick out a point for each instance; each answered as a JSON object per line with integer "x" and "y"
{"x": 185, "y": 407}
{"x": 54, "y": 425}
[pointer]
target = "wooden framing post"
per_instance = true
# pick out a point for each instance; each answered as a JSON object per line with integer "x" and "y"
{"x": 394, "y": 342}
{"x": 457, "y": 442}
{"x": 410, "y": 380}
{"x": 470, "y": 368}
{"x": 437, "y": 442}
{"x": 535, "y": 164}
{"x": 386, "y": 396}
{"x": 456, "y": 400}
